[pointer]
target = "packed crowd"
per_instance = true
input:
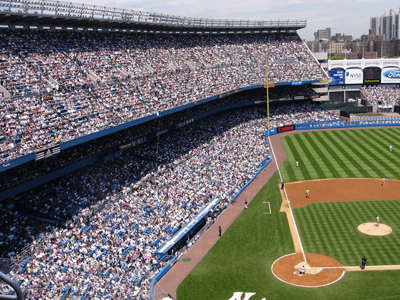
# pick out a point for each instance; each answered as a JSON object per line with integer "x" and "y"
{"x": 385, "y": 96}
{"x": 109, "y": 253}
{"x": 27, "y": 171}
{"x": 68, "y": 84}
{"x": 386, "y": 119}
{"x": 298, "y": 114}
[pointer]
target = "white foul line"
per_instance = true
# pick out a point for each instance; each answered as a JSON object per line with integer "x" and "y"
{"x": 290, "y": 207}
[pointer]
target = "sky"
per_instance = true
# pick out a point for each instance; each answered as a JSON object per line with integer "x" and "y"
{"x": 350, "y": 17}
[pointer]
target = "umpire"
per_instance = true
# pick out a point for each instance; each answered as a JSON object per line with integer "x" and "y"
{"x": 363, "y": 262}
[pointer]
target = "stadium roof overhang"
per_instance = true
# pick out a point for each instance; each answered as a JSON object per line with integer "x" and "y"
{"x": 40, "y": 21}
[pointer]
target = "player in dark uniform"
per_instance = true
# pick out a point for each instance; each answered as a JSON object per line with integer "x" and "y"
{"x": 363, "y": 262}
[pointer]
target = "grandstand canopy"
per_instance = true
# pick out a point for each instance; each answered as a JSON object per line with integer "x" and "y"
{"x": 58, "y": 14}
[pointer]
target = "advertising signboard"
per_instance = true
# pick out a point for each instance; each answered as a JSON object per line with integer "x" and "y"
{"x": 47, "y": 152}
{"x": 372, "y": 75}
{"x": 353, "y": 76}
{"x": 390, "y": 75}
{"x": 337, "y": 76}
{"x": 286, "y": 128}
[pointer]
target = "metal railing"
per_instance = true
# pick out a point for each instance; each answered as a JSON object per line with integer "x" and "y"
{"x": 19, "y": 295}
{"x": 8, "y": 264}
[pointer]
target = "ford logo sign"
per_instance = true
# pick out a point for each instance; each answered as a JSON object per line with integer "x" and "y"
{"x": 393, "y": 73}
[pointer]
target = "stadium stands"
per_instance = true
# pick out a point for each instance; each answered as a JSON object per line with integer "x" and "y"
{"x": 382, "y": 96}
{"x": 68, "y": 84}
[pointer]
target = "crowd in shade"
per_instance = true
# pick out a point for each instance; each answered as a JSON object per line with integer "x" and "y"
{"x": 121, "y": 211}
{"x": 33, "y": 169}
{"x": 68, "y": 84}
{"x": 385, "y": 96}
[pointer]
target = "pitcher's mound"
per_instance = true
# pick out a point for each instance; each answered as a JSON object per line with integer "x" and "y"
{"x": 371, "y": 229}
{"x": 286, "y": 269}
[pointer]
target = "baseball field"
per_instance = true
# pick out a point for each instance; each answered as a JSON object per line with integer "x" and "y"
{"x": 241, "y": 260}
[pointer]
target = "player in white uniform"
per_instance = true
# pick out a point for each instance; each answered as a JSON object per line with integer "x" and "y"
{"x": 302, "y": 270}
{"x": 383, "y": 181}
{"x": 377, "y": 221}
{"x": 308, "y": 194}
{"x": 390, "y": 148}
{"x": 297, "y": 164}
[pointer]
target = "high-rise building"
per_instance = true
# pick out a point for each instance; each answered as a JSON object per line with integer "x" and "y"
{"x": 387, "y": 25}
{"x": 323, "y": 34}
{"x": 374, "y": 25}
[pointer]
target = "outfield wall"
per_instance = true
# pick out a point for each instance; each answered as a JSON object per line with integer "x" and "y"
{"x": 322, "y": 125}
{"x": 328, "y": 124}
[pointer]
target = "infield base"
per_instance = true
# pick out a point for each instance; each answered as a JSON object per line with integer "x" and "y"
{"x": 286, "y": 270}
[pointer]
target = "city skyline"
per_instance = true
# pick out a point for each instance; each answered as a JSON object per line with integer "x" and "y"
{"x": 351, "y": 18}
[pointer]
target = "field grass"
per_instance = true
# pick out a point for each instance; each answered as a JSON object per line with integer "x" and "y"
{"x": 241, "y": 260}
{"x": 330, "y": 228}
{"x": 342, "y": 154}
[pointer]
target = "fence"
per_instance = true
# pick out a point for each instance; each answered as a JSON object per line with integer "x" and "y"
{"x": 358, "y": 122}
{"x": 156, "y": 292}
{"x": 8, "y": 264}
{"x": 197, "y": 237}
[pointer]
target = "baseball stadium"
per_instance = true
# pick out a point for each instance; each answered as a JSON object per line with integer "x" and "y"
{"x": 150, "y": 156}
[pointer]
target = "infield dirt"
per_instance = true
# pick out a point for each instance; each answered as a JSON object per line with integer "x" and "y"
{"x": 330, "y": 190}
{"x": 285, "y": 266}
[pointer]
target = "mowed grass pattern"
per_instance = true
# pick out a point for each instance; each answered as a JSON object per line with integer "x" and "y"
{"x": 342, "y": 154}
{"x": 331, "y": 228}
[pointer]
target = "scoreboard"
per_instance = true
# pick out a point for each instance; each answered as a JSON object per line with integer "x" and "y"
{"x": 372, "y": 75}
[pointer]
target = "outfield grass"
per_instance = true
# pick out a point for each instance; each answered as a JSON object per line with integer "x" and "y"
{"x": 342, "y": 154}
{"x": 241, "y": 260}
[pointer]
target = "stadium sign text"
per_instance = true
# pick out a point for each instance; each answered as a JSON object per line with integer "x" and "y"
{"x": 357, "y": 76}
{"x": 181, "y": 124}
{"x": 286, "y": 128}
{"x": 47, "y": 152}
{"x": 392, "y": 73}
{"x": 238, "y": 296}
{"x": 161, "y": 132}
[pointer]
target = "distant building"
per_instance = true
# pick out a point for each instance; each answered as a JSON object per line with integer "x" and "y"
{"x": 342, "y": 38}
{"x": 370, "y": 46}
{"x": 382, "y": 41}
{"x": 387, "y": 25}
{"x": 337, "y": 47}
{"x": 323, "y": 34}
{"x": 391, "y": 48}
{"x": 377, "y": 42}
